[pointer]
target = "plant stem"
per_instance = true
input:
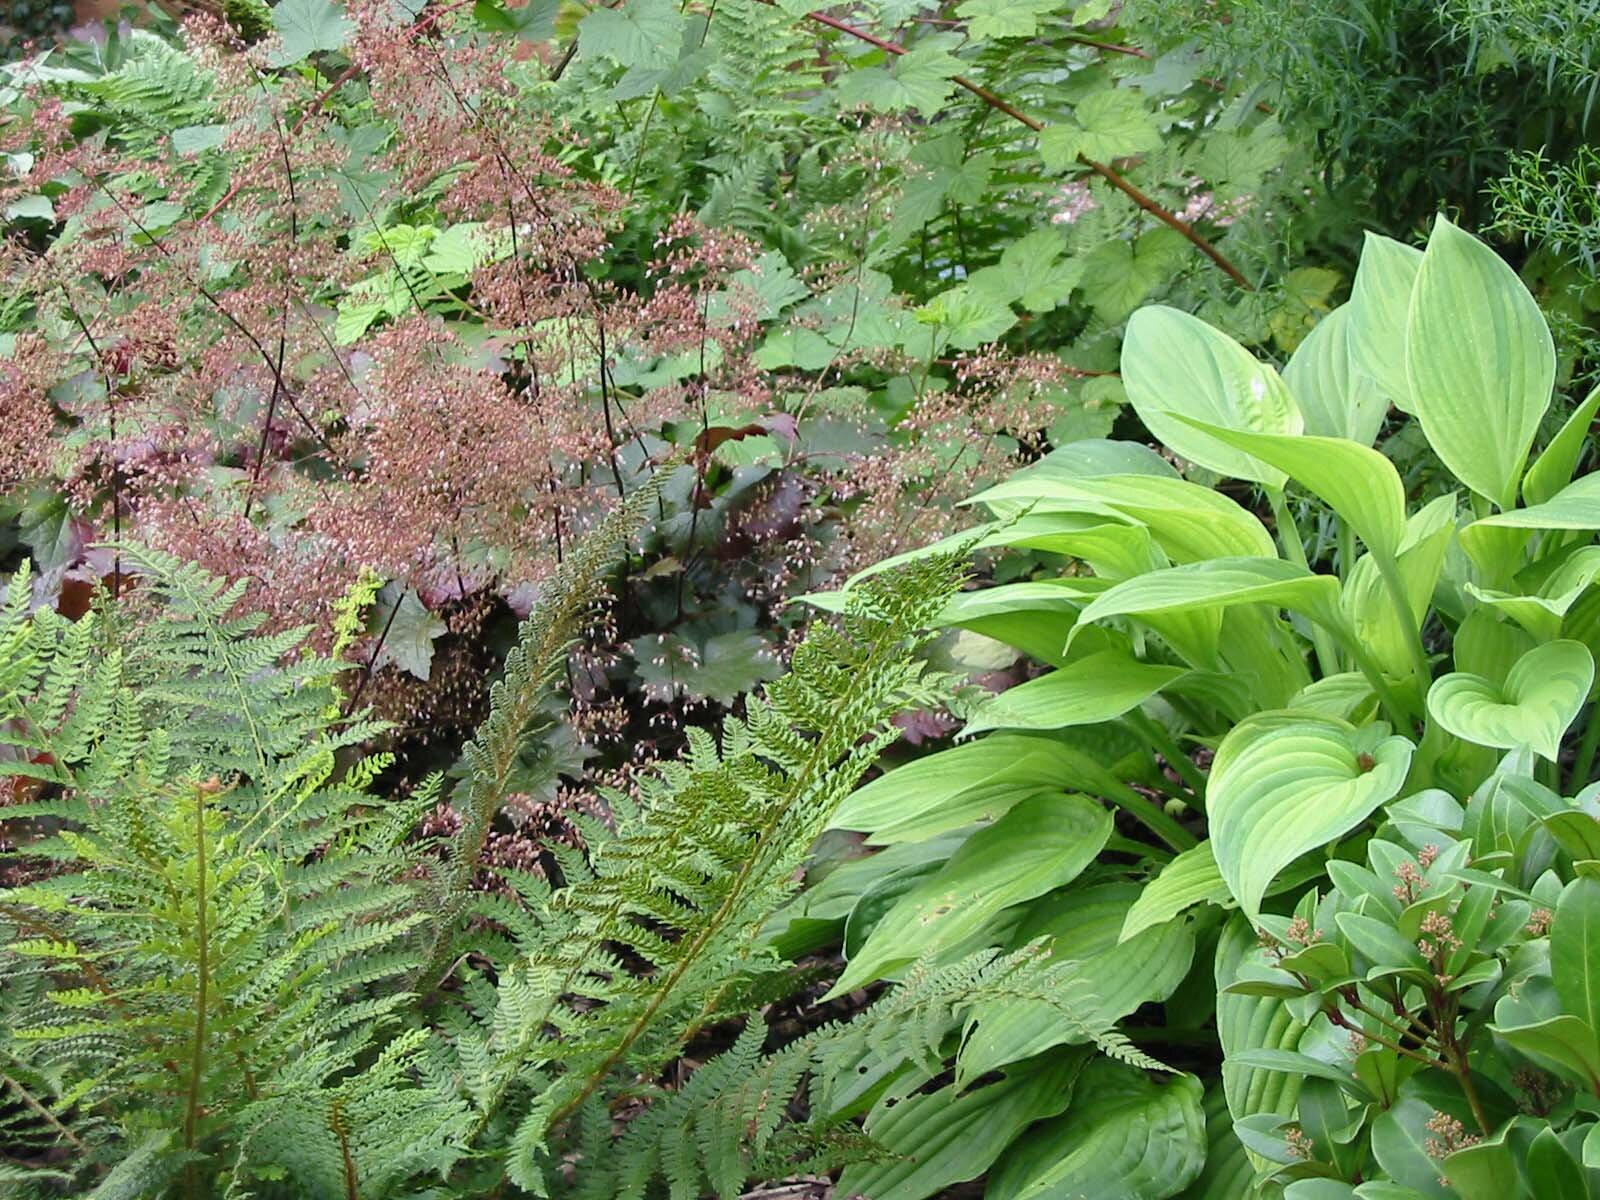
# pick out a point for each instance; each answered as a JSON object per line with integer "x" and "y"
{"x": 1289, "y": 539}
{"x": 1389, "y": 570}
{"x": 1583, "y": 762}
{"x": 191, "y": 1120}
{"x": 1162, "y": 741}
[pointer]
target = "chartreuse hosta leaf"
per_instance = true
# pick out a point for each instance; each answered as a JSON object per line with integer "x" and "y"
{"x": 1039, "y": 844}
{"x": 1576, "y": 506}
{"x": 1335, "y": 395}
{"x": 1284, "y": 783}
{"x": 1552, "y": 470}
{"x": 1379, "y": 301}
{"x": 1126, "y": 1138}
{"x": 1479, "y": 360}
{"x": 1541, "y": 696}
{"x": 1219, "y": 583}
{"x": 1575, "y": 951}
{"x": 1191, "y": 878}
{"x": 1100, "y": 687}
{"x": 1175, "y": 365}
{"x": 1357, "y": 482}
{"x": 949, "y": 1136}
{"x": 1540, "y": 612}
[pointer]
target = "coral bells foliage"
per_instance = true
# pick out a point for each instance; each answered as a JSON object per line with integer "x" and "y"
{"x": 291, "y": 312}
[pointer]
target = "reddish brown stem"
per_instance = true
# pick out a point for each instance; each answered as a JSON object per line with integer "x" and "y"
{"x": 1110, "y": 174}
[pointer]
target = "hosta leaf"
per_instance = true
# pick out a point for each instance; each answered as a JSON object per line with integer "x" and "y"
{"x": 1039, "y": 844}
{"x": 1191, "y": 878}
{"x": 1541, "y": 612}
{"x": 1575, "y": 951}
{"x": 1479, "y": 360}
{"x": 948, "y": 1136}
{"x": 1175, "y": 365}
{"x": 1190, "y": 523}
{"x": 1097, "y": 688}
{"x": 1380, "y": 299}
{"x": 1357, "y": 482}
{"x": 1576, "y": 506}
{"x": 1252, "y": 1022}
{"x": 1541, "y": 696}
{"x": 1552, "y": 470}
{"x": 1134, "y": 1140}
{"x": 1219, "y": 583}
{"x": 1336, "y": 397}
{"x": 1284, "y": 783}
{"x": 1228, "y": 1174}
{"x": 973, "y": 782}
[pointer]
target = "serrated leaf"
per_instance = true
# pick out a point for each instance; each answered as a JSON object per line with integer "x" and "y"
{"x": 412, "y": 630}
{"x": 306, "y": 27}
{"x": 1113, "y": 123}
{"x": 1003, "y": 18}
{"x": 636, "y": 33}
{"x": 918, "y": 79}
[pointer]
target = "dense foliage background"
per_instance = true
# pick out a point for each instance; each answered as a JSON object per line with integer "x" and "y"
{"x": 356, "y": 357}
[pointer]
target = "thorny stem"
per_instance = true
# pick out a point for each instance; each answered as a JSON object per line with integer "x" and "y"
{"x": 43, "y": 1113}
{"x": 1110, "y": 174}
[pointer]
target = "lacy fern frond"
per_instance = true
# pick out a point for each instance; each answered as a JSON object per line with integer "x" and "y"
{"x": 659, "y": 922}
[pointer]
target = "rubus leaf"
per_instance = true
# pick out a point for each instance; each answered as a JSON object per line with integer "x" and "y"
{"x": 306, "y": 27}
{"x": 1479, "y": 360}
{"x": 1284, "y": 783}
{"x": 1379, "y": 302}
{"x": 1542, "y": 695}
{"x": 1136, "y": 1140}
{"x": 1357, "y": 482}
{"x": 1175, "y": 365}
{"x": 1112, "y": 123}
{"x": 918, "y": 79}
{"x": 1099, "y": 687}
{"x": 635, "y": 33}
{"x": 1039, "y": 844}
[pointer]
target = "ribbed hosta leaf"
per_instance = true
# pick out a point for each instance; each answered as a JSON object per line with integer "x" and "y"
{"x": 1541, "y": 696}
{"x": 1479, "y": 360}
{"x": 1175, "y": 365}
{"x": 1284, "y": 783}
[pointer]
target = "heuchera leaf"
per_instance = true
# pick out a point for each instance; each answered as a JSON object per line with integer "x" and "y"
{"x": 1284, "y": 783}
{"x": 306, "y": 27}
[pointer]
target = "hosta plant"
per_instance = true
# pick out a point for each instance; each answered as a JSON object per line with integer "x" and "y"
{"x": 1231, "y": 705}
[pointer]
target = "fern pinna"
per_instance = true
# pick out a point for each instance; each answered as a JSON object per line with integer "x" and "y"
{"x": 234, "y": 969}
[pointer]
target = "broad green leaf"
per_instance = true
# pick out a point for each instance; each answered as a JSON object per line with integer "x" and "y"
{"x": 1540, "y": 698}
{"x": 1357, "y": 482}
{"x": 918, "y": 79}
{"x": 1112, "y": 123}
{"x": 1247, "y": 1023}
{"x": 1575, "y": 951}
{"x": 1219, "y": 583}
{"x": 1576, "y": 506}
{"x": 1189, "y": 879}
{"x": 1136, "y": 1140}
{"x": 1479, "y": 360}
{"x": 948, "y": 1136}
{"x": 1175, "y": 365}
{"x": 1104, "y": 987}
{"x": 1401, "y": 1140}
{"x": 306, "y": 27}
{"x": 1032, "y": 272}
{"x": 1190, "y": 523}
{"x": 635, "y": 33}
{"x": 1540, "y": 613}
{"x": 1553, "y": 1172}
{"x": 1118, "y": 275}
{"x": 1564, "y": 1042}
{"x": 973, "y": 782}
{"x": 967, "y": 317}
{"x": 1227, "y": 1174}
{"x": 1003, "y": 18}
{"x": 1380, "y": 300}
{"x": 412, "y": 630}
{"x": 1039, "y": 844}
{"x": 1552, "y": 470}
{"x": 1285, "y": 783}
{"x": 1335, "y": 396}
{"x": 1097, "y": 688}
